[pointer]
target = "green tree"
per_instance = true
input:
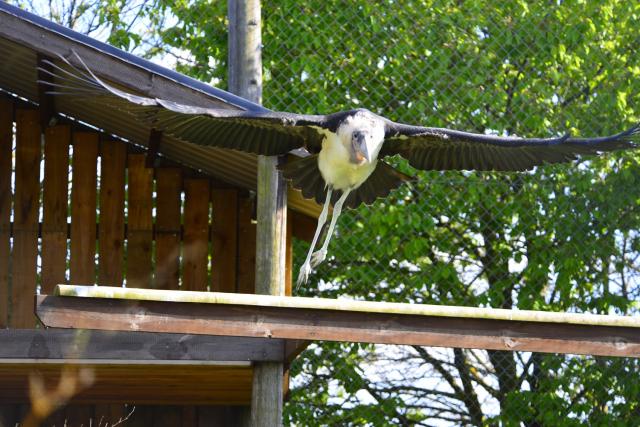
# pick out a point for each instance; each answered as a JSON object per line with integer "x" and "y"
{"x": 559, "y": 238}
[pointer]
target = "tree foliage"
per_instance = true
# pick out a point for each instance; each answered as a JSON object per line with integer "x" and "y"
{"x": 561, "y": 238}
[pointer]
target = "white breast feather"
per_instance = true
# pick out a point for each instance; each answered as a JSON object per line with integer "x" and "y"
{"x": 333, "y": 160}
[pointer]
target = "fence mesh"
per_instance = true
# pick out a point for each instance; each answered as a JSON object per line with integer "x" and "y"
{"x": 560, "y": 238}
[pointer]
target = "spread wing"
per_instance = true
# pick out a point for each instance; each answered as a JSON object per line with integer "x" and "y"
{"x": 259, "y": 132}
{"x": 445, "y": 149}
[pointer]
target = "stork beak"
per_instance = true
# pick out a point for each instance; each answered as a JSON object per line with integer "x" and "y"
{"x": 361, "y": 149}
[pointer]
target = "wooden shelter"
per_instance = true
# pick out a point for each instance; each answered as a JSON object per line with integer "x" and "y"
{"x": 90, "y": 196}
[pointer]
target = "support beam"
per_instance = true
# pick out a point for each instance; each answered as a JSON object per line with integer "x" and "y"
{"x": 339, "y": 320}
{"x": 245, "y": 80}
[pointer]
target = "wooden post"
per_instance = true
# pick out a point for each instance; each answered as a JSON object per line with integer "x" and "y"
{"x": 245, "y": 79}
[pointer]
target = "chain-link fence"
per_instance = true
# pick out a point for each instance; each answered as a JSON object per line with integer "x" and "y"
{"x": 560, "y": 238}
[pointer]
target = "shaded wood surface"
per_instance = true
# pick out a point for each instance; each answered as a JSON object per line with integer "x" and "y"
{"x": 224, "y": 239}
{"x": 246, "y": 259}
{"x": 55, "y": 206}
{"x": 195, "y": 249}
{"x": 139, "y": 384}
{"x": 26, "y": 207}
{"x": 112, "y": 194}
{"x": 168, "y": 223}
{"x": 337, "y": 325}
{"x": 60, "y": 344}
{"x": 140, "y": 222}
{"x": 83, "y": 207}
{"x": 6, "y": 162}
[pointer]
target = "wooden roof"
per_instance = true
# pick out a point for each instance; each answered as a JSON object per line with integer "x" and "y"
{"x": 25, "y": 38}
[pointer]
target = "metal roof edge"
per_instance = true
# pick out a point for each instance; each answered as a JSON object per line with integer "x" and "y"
{"x": 129, "y": 58}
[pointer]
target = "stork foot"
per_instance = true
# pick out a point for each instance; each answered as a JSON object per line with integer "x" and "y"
{"x": 318, "y": 257}
{"x": 303, "y": 275}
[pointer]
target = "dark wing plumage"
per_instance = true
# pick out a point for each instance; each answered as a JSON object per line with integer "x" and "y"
{"x": 446, "y": 149}
{"x": 259, "y": 132}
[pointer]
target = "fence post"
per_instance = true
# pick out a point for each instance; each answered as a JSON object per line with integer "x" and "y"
{"x": 245, "y": 79}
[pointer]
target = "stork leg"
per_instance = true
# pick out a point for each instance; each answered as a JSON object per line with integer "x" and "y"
{"x": 305, "y": 270}
{"x": 320, "y": 255}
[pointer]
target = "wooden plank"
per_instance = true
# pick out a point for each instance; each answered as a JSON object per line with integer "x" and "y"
{"x": 168, "y": 222}
{"x": 246, "y": 259}
{"x": 62, "y": 344}
{"x": 25, "y": 241}
{"x": 112, "y": 190}
{"x": 107, "y": 415}
{"x": 224, "y": 239}
{"x": 139, "y": 384}
{"x": 79, "y": 415}
{"x": 6, "y": 166}
{"x": 83, "y": 208}
{"x": 288, "y": 262}
{"x": 55, "y": 206}
{"x": 140, "y": 222}
{"x": 383, "y": 327}
{"x": 196, "y": 235}
{"x": 303, "y": 226}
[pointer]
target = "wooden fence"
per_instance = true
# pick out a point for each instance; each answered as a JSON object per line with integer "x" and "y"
{"x": 119, "y": 220}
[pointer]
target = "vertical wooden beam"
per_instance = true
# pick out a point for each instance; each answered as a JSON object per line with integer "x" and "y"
{"x": 195, "y": 248}
{"x": 111, "y": 239}
{"x": 25, "y": 241}
{"x": 168, "y": 203}
{"x": 6, "y": 161}
{"x": 55, "y": 202}
{"x": 83, "y": 208}
{"x": 245, "y": 79}
{"x": 140, "y": 222}
{"x": 224, "y": 240}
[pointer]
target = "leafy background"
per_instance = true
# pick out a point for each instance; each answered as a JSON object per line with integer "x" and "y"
{"x": 561, "y": 238}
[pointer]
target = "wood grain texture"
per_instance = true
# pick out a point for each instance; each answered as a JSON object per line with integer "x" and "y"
{"x": 6, "y": 164}
{"x": 25, "y": 246}
{"x": 338, "y": 325}
{"x": 140, "y": 222}
{"x": 61, "y": 344}
{"x": 140, "y": 384}
{"x": 224, "y": 239}
{"x": 55, "y": 202}
{"x": 112, "y": 194}
{"x": 83, "y": 208}
{"x": 168, "y": 223}
{"x": 195, "y": 249}
{"x": 246, "y": 259}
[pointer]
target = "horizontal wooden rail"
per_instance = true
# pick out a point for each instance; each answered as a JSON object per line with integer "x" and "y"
{"x": 338, "y": 320}
{"x": 30, "y": 345}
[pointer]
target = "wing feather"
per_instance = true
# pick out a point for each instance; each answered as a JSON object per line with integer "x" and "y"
{"x": 260, "y": 132}
{"x": 446, "y": 149}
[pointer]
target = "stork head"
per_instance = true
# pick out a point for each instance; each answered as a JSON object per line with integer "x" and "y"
{"x": 359, "y": 152}
{"x": 363, "y": 135}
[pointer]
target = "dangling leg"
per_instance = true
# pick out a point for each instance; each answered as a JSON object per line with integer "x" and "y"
{"x": 306, "y": 266}
{"x": 320, "y": 255}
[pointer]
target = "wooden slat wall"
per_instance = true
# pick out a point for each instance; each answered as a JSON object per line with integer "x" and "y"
{"x": 55, "y": 206}
{"x": 6, "y": 161}
{"x": 83, "y": 207}
{"x": 111, "y": 236}
{"x": 224, "y": 240}
{"x": 195, "y": 249}
{"x": 168, "y": 220}
{"x": 200, "y": 237}
{"x": 26, "y": 209}
{"x": 140, "y": 222}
